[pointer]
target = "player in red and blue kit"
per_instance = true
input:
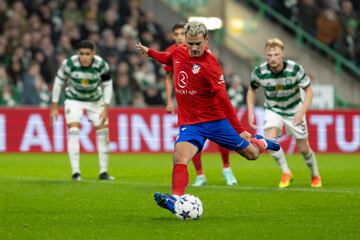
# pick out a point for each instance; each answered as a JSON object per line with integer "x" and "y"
{"x": 178, "y": 35}
{"x": 204, "y": 109}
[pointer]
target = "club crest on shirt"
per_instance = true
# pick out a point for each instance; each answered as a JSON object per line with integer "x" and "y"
{"x": 221, "y": 79}
{"x": 195, "y": 68}
{"x": 85, "y": 82}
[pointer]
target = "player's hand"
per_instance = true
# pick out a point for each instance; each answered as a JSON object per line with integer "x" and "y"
{"x": 142, "y": 49}
{"x": 54, "y": 112}
{"x": 246, "y": 135}
{"x": 251, "y": 120}
{"x": 103, "y": 115}
{"x": 170, "y": 106}
{"x": 298, "y": 118}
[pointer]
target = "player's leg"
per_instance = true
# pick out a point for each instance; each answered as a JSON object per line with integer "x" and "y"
{"x": 200, "y": 179}
{"x": 310, "y": 160}
{"x": 280, "y": 158}
{"x": 274, "y": 124}
{"x": 183, "y": 153}
{"x": 189, "y": 142}
{"x": 94, "y": 110}
{"x": 73, "y": 111}
{"x": 222, "y": 133}
{"x": 227, "y": 172}
{"x": 300, "y": 132}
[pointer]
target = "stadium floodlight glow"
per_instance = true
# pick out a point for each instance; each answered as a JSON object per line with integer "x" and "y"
{"x": 211, "y": 23}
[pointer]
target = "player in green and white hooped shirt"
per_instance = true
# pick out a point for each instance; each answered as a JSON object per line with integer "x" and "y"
{"x": 282, "y": 80}
{"x": 88, "y": 88}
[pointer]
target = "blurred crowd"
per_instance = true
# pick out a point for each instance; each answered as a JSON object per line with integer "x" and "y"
{"x": 335, "y": 23}
{"x": 37, "y": 35}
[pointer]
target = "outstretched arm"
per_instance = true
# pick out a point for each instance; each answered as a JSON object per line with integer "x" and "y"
{"x": 168, "y": 91}
{"x": 162, "y": 57}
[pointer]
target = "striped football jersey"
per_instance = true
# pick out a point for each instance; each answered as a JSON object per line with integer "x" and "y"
{"x": 83, "y": 83}
{"x": 282, "y": 90}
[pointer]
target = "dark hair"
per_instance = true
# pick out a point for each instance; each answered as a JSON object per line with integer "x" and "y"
{"x": 178, "y": 25}
{"x": 86, "y": 44}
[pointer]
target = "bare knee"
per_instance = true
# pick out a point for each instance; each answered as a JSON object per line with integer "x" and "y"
{"x": 304, "y": 149}
{"x": 253, "y": 156}
{"x": 251, "y": 153}
{"x": 182, "y": 157}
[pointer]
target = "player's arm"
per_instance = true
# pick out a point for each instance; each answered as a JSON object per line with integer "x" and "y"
{"x": 58, "y": 85}
{"x": 107, "y": 86}
{"x": 306, "y": 105}
{"x": 224, "y": 101}
{"x": 250, "y": 99}
{"x": 213, "y": 74}
{"x": 304, "y": 83}
{"x": 168, "y": 91}
{"x": 162, "y": 57}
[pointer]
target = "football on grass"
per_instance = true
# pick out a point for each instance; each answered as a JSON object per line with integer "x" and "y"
{"x": 188, "y": 207}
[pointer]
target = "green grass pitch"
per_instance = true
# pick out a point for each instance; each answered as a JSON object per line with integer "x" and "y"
{"x": 39, "y": 201}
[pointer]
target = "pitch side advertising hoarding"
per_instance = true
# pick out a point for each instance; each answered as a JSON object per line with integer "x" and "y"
{"x": 154, "y": 130}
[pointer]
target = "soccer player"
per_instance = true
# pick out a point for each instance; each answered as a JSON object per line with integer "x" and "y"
{"x": 178, "y": 35}
{"x": 204, "y": 109}
{"x": 282, "y": 80}
{"x": 88, "y": 88}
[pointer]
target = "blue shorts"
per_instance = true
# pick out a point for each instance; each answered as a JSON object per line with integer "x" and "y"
{"x": 219, "y": 131}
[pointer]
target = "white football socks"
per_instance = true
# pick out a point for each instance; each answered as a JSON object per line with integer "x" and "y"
{"x": 74, "y": 149}
{"x": 310, "y": 160}
{"x": 102, "y": 137}
{"x": 280, "y": 158}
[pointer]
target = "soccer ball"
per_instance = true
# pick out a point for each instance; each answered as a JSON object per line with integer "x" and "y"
{"x": 188, "y": 207}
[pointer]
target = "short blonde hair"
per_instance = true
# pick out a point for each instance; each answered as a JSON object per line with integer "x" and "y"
{"x": 195, "y": 27}
{"x": 274, "y": 42}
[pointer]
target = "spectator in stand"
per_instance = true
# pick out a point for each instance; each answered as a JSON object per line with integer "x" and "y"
{"x": 4, "y": 57}
{"x": 108, "y": 45}
{"x": 138, "y": 100}
{"x": 308, "y": 13}
{"x": 73, "y": 13}
{"x": 328, "y": 27}
{"x": 111, "y": 21}
{"x": 9, "y": 93}
{"x": 32, "y": 84}
{"x": 125, "y": 86}
{"x": 348, "y": 17}
{"x": 348, "y": 44}
{"x": 152, "y": 95}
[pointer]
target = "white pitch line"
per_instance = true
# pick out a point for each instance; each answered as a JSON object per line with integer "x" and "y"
{"x": 232, "y": 188}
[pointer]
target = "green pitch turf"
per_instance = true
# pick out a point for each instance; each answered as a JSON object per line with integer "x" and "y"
{"x": 39, "y": 201}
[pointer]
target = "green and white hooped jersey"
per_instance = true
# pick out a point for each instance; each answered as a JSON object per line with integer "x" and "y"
{"x": 282, "y": 90}
{"x": 83, "y": 83}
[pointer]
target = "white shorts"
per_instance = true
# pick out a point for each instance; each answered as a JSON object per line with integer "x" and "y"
{"x": 75, "y": 109}
{"x": 273, "y": 119}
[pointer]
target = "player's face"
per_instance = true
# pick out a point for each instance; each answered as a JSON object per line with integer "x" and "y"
{"x": 179, "y": 35}
{"x": 196, "y": 44}
{"x": 86, "y": 56}
{"x": 274, "y": 57}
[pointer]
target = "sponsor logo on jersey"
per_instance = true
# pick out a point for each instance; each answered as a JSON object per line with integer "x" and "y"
{"x": 182, "y": 79}
{"x": 195, "y": 68}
